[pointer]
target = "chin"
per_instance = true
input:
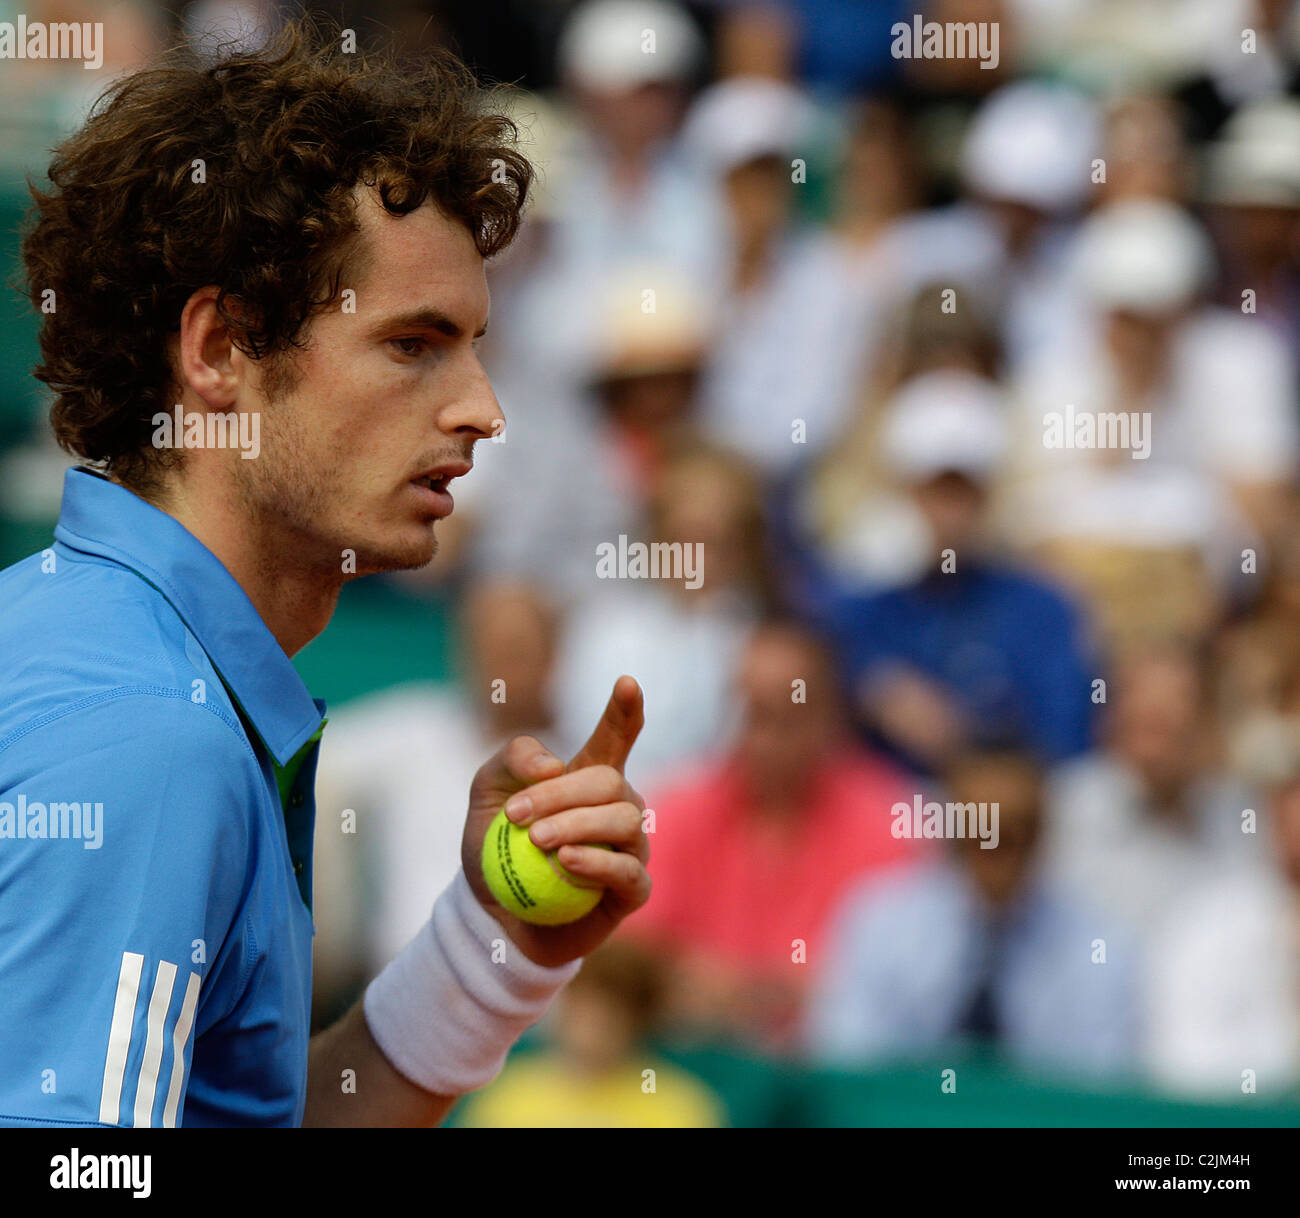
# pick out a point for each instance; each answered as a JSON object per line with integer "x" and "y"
{"x": 407, "y": 554}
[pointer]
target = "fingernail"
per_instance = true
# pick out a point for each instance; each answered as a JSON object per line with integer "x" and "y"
{"x": 543, "y": 834}
{"x": 517, "y": 807}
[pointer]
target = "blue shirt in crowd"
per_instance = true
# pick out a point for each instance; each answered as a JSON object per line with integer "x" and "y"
{"x": 1006, "y": 646}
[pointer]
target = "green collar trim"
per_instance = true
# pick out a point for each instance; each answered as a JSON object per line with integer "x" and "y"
{"x": 286, "y": 775}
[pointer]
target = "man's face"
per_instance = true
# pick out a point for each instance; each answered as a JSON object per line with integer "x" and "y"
{"x": 782, "y": 741}
{"x": 698, "y": 504}
{"x": 1156, "y": 722}
{"x": 758, "y": 198}
{"x": 1001, "y": 873}
{"x": 1141, "y": 342}
{"x": 512, "y": 638}
{"x": 953, "y": 505}
{"x": 382, "y": 396}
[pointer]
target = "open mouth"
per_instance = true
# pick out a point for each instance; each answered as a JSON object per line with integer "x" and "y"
{"x": 433, "y": 492}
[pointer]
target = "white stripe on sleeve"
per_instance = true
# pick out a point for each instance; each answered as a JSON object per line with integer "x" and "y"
{"x": 119, "y": 1036}
{"x": 159, "y": 1001}
{"x": 180, "y": 1037}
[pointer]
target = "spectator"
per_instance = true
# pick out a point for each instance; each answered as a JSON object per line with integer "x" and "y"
{"x": 1225, "y": 1002}
{"x": 632, "y": 193}
{"x": 978, "y": 950}
{"x": 1152, "y": 811}
{"x": 619, "y": 193}
{"x": 846, "y": 277}
{"x": 1254, "y": 192}
{"x": 948, "y": 80}
{"x": 619, "y": 189}
{"x": 592, "y": 1073}
{"x": 842, "y": 47}
{"x": 594, "y": 477}
{"x": 654, "y": 346}
{"x": 681, "y": 633}
{"x": 1157, "y": 355}
{"x": 1007, "y": 242}
{"x": 1225, "y": 75}
{"x": 1257, "y": 656}
{"x": 969, "y": 651}
{"x": 861, "y": 528}
{"x": 1145, "y": 154}
{"x": 773, "y": 367}
{"x": 1131, "y": 483}
{"x": 752, "y": 849}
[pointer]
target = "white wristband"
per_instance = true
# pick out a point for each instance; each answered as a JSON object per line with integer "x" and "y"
{"x": 443, "y": 1011}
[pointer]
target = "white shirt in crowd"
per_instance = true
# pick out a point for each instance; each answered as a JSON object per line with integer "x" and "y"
{"x": 1225, "y": 990}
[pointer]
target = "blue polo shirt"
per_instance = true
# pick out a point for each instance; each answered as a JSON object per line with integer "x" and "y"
{"x": 1010, "y": 649}
{"x": 157, "y": 763}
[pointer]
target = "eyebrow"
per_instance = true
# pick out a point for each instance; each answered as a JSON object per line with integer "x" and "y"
{"x": 424, "y": 319}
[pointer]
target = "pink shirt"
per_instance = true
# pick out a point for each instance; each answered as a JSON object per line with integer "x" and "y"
{"x": 729, "y": 886}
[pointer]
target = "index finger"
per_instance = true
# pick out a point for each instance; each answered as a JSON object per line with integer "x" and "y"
{"x": 617, "y": 730}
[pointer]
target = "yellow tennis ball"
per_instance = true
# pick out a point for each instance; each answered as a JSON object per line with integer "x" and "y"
{"x": 532, "y": 883}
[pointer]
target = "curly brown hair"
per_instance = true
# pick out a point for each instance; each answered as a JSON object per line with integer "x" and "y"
{"x": 240, "y": 173}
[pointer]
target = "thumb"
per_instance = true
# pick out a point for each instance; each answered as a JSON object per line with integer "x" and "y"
{"x": 617, "y": 730}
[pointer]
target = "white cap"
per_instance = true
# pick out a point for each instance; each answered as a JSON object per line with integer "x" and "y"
{"x": 653, "y": 320}
{"x": 1032, "y": 143}
{"x": 745, "y": 118}
{"x": 615, "y": 45}
{"x": 1257, "y": 158}
{"x": 1144, "y": 256}
{"x": 943, "y": 422}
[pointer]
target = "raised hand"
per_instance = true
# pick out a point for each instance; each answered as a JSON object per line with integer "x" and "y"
{"x": 587, "y": 801}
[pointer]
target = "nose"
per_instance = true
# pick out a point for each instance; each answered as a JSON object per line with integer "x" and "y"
{"x": 472, "y": 409}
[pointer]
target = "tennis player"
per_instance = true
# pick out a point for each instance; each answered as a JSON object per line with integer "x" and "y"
{"x": 261, "y": 283}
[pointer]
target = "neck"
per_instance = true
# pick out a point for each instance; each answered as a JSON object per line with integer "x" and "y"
{"x": 774, "y": 800}
{"x": 1168, "y": 800}
{"x": 862, "y": 228}
{"x": 1140, "y": 379}
{"x": 294, "y": 597}
{"x": 753, "y": 262}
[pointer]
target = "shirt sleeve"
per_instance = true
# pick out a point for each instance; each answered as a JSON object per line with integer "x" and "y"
{"x": 1254, "y": 439}
{"x": 125, "y": 833}
{"x": 1057, "y": 680}
{"x": 849, "y": 1020}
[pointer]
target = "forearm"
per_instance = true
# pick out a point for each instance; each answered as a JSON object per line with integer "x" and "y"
{"x": 351, "y": 1083}
{"x": 436, "y": 1023}
{"x": 450, "y": 1005}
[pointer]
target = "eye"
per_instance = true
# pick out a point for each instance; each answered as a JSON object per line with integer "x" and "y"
{"x": 409, "y": 346}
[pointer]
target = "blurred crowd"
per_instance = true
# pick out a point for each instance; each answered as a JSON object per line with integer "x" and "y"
{"x": 974, "y": 385}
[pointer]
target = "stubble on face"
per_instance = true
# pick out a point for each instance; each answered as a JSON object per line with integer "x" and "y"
{"x": 285, "y": 494}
